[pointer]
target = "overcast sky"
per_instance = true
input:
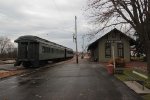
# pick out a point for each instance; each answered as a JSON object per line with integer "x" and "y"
{"x": 49, "y": 19}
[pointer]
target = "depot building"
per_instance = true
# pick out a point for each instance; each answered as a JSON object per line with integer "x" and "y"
{"x": 113, "y": 43}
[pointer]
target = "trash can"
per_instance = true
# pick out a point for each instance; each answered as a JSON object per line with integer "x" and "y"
{"x": 110, "y": 69}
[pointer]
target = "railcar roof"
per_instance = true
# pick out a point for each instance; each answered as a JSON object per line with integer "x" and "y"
{"x": 37, "y": 39}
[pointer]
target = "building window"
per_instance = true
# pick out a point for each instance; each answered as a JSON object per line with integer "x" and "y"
{"x": 108, "y": 50}
{"x": 120, "y": 50}
{"x": 113, "y": 35}
{"x": 121, "y": 36}
{"x": 106, "y": 37}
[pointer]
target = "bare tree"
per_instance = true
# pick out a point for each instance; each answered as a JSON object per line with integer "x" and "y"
{"x": 10, "y": 49}
{"x": 7, "y": 49}
{"x": 135, "y": 14}
{"x": 4, "y": 42}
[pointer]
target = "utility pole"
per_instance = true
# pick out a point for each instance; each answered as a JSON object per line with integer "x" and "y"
{"x": 76, "y": 39}
{"x": 82, "y": 56}
{"x": 83, "y": 42}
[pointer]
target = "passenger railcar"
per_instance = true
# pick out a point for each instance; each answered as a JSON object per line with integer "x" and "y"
{"x": 32, "y": 51}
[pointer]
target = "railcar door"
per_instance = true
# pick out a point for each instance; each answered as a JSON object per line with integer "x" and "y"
{"x": 65, "y": 54}
{"x": 23, "y": 50}
{"x": 33, "y": 48}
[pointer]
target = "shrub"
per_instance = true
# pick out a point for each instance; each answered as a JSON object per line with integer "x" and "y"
{"x": 119, "y": 62}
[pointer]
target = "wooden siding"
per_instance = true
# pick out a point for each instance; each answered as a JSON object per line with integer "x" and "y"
{"x": 108, "y": 38}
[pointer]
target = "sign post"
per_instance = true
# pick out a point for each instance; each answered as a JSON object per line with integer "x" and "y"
{"x": 113, "y": 50}
{"x": 113, "y": 55}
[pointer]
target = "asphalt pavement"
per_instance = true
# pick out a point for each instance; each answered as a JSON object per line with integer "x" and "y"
{"x": 68, "y": 81}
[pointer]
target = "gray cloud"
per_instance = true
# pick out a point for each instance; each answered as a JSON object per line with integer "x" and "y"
{"x": 49, "y": 19}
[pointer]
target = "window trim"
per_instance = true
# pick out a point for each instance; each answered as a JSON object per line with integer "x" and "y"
{"x": 107, "y": 47}
{"x": 120, "y": 49}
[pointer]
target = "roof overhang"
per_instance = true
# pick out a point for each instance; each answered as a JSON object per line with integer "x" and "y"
{"x": 93, "y": 44}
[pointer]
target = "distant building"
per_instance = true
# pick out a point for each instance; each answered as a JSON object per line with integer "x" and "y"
{"x": 102, "y": 49}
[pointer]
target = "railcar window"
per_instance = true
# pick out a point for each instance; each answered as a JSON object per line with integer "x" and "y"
{"x": 52, "y": 50}
{"x": 49, "y": 49}
{"x": 42, "y": 49}
{"x": 46, "y": 49}
{"x": 60, "y": 51}
{"x": 69, "y": 52}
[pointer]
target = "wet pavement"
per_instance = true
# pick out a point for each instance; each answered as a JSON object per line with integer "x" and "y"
{"x": 10, "y": 67}
{"x": 69, "y": 81}
{"x": 7, "y": 66}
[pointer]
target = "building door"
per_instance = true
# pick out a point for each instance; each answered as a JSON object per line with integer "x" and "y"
{"x": 120, "y": 49}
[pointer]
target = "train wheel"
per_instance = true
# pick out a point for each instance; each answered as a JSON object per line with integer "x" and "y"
{"x": 43, "y": 63}
{"x": 17, "y": 63}
{"x": 26, "y": 64}
{"x": 35, "y": 64}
